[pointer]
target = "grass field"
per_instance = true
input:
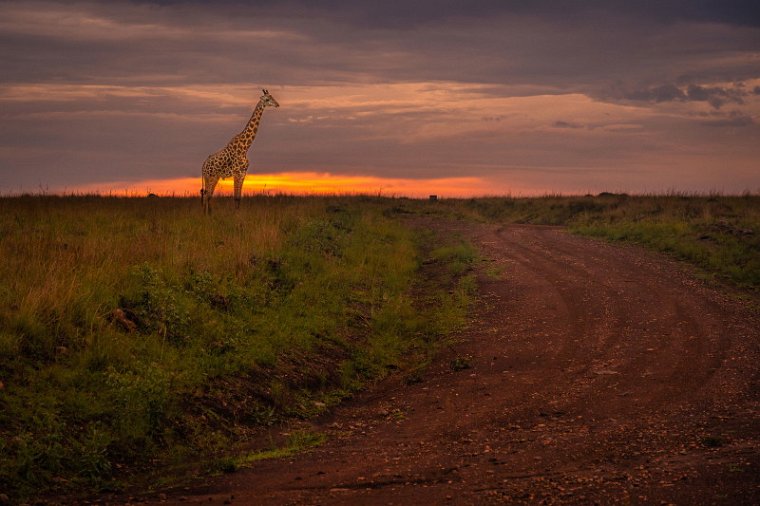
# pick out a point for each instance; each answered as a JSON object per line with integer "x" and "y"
{"x": 136, "y": 333}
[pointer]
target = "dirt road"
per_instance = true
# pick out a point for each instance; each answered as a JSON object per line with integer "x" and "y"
{"x": 598, "y": 374}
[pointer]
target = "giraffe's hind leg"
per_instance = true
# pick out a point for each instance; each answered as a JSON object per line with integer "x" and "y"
{"x": 208, "y": 191}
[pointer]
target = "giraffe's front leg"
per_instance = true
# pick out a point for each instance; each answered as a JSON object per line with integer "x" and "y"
{"x": 239, "y": 177}
{"x": 210, "y": 184}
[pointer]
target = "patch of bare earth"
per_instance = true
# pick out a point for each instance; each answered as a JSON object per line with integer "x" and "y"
{"x": 598, "y": 374}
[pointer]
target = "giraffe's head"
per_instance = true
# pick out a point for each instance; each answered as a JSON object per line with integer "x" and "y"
{"x": 268, "y": 100}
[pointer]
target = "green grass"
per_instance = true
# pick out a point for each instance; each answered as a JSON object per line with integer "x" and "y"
{"x": 135, "y": 333}
{"x": 297, "y": 442}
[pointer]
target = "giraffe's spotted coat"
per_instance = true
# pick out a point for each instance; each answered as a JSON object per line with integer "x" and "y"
{"x": 232, "y": 160}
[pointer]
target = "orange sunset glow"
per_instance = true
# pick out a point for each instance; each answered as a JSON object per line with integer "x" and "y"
{"x": 306, "y": 183}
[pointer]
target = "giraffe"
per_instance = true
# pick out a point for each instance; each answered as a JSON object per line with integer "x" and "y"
{"x": 232, "y": 160}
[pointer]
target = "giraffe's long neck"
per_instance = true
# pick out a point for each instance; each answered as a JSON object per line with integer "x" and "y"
{"x": 249, "y": 133}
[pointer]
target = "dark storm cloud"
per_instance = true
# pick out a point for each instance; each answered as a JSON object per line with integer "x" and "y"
{"x": 516, "y": 42}
{"x": 733, "y": 119}
{"x": 663, "y": 93}
{"x": 716, "y": 96}
{"x": 567, "y": 124}
{"x": 404, "y": 13}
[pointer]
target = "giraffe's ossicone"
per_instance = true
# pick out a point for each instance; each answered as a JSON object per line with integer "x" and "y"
{"x": 232, "y": 160}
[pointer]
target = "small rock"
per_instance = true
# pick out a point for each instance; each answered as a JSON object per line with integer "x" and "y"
{"x": 119, "y": 316}
{"x": 605, "y": 372}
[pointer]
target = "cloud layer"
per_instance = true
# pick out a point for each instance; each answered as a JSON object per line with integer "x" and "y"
{"x": 539, "y": 96}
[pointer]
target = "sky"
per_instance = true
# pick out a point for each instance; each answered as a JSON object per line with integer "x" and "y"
{"x": 457, "y": 98}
